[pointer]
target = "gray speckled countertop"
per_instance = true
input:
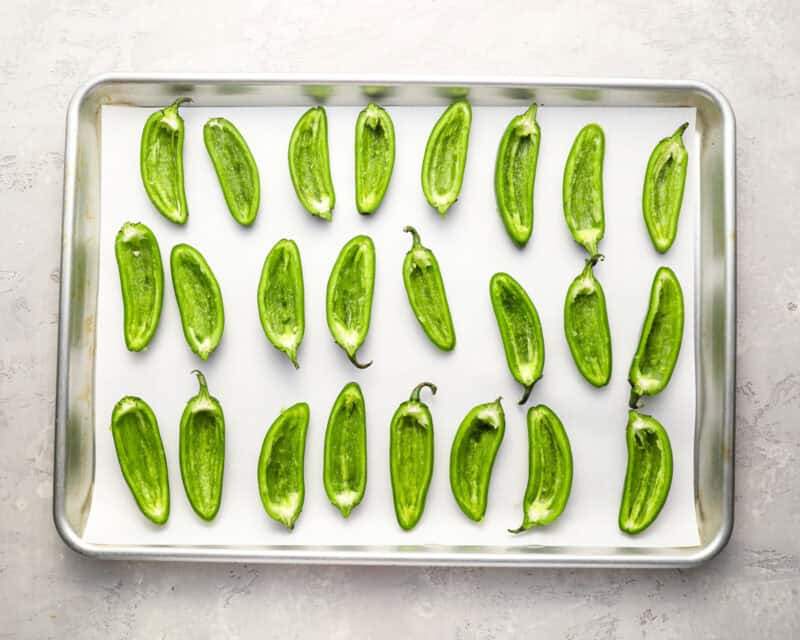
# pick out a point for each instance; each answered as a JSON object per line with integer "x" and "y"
{"x": 749, "y": 50}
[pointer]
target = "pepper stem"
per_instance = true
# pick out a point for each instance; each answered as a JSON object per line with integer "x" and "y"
{"x": 293, "y": 357}
{"x": 178, "y": 103}
{"x": 202, "y": 380}
{"x": 357, "y": 363}
{"x": 633, "y": 401}
{"x": 525, "y": 526}
{"x": 526, "y": 394}
{"x": 415, "y": 234}
{"x": 598, "y": 257}
{"x": 681, "y": 129}
{"x": 415, "y": 393}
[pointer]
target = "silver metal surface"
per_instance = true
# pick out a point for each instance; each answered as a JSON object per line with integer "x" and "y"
{"x": 714, "y": 322}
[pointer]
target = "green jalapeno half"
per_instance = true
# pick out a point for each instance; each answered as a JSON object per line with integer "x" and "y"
{"x": 281, "y": 302}
{"x": 649, "y": 473}
{"x": 349, "y": 296}
{"x": 446, "y": 156}
{"x": 235, "y": 167}
{"x": 663, "y": 189}
{"x": 202, "y": 451}
{"x": 515, "y": 174}
{"x": 344, "y": 471}
{"x": 583, "y": 188}
{"x": 549, "y": 470}
{"x": 472, "y": 457}
{"x": 426, "y": 295}
{"x": 375, "y": 150}
{"x": 141, "y": 277}
{"x": 411, "y": 457}
{"x": 520, "y": 330}
{"x": 281, "y": 482}
{"x": 586, "y": 327}
{"x": 140, "y": 452}
{"x": 309, "y": 164}
{"x": 660, "y": 342}
{"x": 161, "y": 162}
{"x": 199, "y": 299}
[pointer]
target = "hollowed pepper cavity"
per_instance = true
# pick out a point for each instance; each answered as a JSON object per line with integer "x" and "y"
{"x": 649, "y": 473}
{"x": 515, "y": 174}
{"x": 472, "y": 457}
{"x": 426, "y": 294}
{"x": 140, "y": 452}
{"x": 141, "y": 276}
{"x": 199, "y": 300}
{"x": 375, "y": 151}
{"x": 281, "y": 305}
{"x": 663, "y": 189}
{"x": 549, "y": 470}
{"x": 161, "y": 162}
{"x": 202, "y": 451}
{"x": 349, "y": 296}
{"x": 583, "y": 188}
{"x": 344, "y": 470}
{"x": 235, "y": 167}
{"x": 446, "y": 156}
{"x": 586, "y": 327}
{"x": 520, "y": 330}
{"x": 309, "y": 164}
{"x": 660, "y": 342}
{"x": 281, "y": 482}
{"x": 411, "y": 457}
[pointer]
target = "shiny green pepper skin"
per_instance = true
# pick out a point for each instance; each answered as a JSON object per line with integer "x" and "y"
{"x": 586, "y": 327}
{"x": 281, "y": 298}
{"x": 309, "y": 164}
{"x": 649, "y": 473}
{"x": 375, "y": 152}
{"x": 426, "y": 295}
{"x": 199, "y": 300}
{"x": 662, "y": 194}
{"x": 281, "y": 481}
{"x": 549, "y": 470}
{"x": 515, "y": 174}
{"x": 161, "y": 162}
{"x": 446, "y": 156}
{"x": 583, "y": 188}
{"x": 141, "y": 276}
{"x": 349, "y": 296}
{"x": 202, "y": 451}
{"x": 472, "y": 457}
{"x": 660, "y": 341}
{"x": 520, "y": 330}
{"x": 140, "y": 453}
{"x": 235, "y": 167}
{"x": 411, "y": 457}
{"x": 344, "y": 472}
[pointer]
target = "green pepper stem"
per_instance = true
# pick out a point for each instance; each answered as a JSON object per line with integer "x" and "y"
{"x": 357, "y": 363}
{"x": 598, "y": 257}
{"x": 293, "y": 357}
{"x": 415, "y": 393}
{"x": 202, "y": 380}
{"x": 526, "y": 394}
{"x": 178, "y": 103}
{"x": 415, "y": 235}
{"x": 681, "y": 129}
{"x": 633, "y": 401}
{"x": 522, "y": 528}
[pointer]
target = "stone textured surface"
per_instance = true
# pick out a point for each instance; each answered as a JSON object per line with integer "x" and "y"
{"x": 749, "y": 49}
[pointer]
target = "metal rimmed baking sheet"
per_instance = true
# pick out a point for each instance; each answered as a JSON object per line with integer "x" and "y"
{"x": 423, "y": 101}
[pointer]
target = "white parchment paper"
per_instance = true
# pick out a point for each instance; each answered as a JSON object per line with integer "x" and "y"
{"x": 253, "y": 381}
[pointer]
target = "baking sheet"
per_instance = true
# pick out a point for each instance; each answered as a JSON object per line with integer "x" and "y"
{"x": 254, "y": 381}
